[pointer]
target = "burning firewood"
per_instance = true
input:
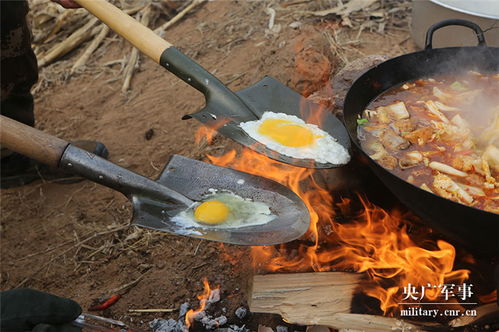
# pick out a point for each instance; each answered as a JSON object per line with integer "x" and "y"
{"x": 299, "y": 297}
{"x": 318, "y": 298}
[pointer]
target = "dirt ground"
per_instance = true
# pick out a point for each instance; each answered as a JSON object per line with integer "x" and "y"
{"x": 74, "y": 240}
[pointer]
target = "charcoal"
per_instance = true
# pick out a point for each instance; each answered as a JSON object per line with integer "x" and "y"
{"x": 280, "y": 328}
{"x": 184, "y": 307}
{"x": 241, "y": 312}
{"x": 170, "y": 325}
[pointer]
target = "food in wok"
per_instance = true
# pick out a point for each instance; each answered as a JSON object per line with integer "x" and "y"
{"x": 441, "y": 134}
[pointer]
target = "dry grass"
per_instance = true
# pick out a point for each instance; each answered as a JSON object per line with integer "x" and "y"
{"x": 71, "y": 42}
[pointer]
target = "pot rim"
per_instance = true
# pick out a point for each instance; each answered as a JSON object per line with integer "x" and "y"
{"x": 453, "y": 5}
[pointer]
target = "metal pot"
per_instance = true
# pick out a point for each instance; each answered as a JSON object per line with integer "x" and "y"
{"x": 425, "y": 13}
{"x": 476, "y": 229}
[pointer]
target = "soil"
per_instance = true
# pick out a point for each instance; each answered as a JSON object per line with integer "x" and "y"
{"x": 73, "y": 240}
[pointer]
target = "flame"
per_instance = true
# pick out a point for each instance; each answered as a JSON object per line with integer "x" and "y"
{"x": 375, "y": 241}
{"x": 203, "y": 300}
{"x": 208, "y": 133}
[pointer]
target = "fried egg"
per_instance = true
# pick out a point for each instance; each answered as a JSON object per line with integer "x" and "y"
{"x": 291, "y": 136}
{"x": 224, "y": 210}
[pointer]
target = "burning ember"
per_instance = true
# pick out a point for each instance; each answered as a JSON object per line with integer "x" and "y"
{"x": 208, "y": 296}
{"x": 374, "y": 241}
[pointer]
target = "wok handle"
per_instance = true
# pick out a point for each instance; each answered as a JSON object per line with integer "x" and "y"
{"x": 31, "y": 142}
{"x": 475, "y": 27}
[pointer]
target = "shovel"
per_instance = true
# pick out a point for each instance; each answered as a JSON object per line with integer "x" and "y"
{"x": 224, "y": 109}
{"x": 182, "y": 182}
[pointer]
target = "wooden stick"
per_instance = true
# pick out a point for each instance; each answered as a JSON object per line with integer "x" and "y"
{"x": 59, "y": 23}
{"x": 82, "y": 60}
{"x": 346, "y": 9}
{"x": 126, "y": 286}
{"x": 73, "y": 41}
{"x": 159, "y": 30}
{"x": 134, "y": 55}
{"x": 151, "y": 310}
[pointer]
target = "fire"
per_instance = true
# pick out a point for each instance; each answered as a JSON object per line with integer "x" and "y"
{"x": 204, "y": 298}
{"x": 375, "y": 241}
{"x": 207, "y": 133}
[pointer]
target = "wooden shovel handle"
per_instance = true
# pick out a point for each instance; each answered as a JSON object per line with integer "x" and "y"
{"x": 31, "y": 142}
{"x": 126, "y": 26}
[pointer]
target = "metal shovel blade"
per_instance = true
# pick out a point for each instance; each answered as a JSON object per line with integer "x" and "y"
{"x": 269, "y": 95}
{"x": 193, "y": 179}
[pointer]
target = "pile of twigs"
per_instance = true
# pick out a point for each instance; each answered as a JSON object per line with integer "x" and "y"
{"x": 75, "y": 36}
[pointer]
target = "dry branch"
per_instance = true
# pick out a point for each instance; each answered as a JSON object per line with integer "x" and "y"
{"x": 82, "y": 60}
{"x": 134, "y": 55}
{"x": 127, "y": 286}
{"x": 344, "y": 9}
{"x": 70, "y": 43}
{"x": 159, "y": 30}
{"x": 59, "y": 23}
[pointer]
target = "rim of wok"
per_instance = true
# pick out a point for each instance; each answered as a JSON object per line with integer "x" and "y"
{"x": 421, "y": 60}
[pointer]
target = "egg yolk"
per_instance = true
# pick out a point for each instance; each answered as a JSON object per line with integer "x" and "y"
{"x": 212, "y": 212}
{"x": 287, "y": 133}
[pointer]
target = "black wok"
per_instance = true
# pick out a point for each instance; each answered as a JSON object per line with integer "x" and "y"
{"x": 476, "y": 229}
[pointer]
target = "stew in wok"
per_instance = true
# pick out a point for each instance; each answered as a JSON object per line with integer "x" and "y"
{"x": 441, "y": 134}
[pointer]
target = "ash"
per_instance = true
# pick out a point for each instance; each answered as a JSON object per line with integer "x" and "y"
{"x": 170, "y": 325}
{"x": 233, "y": 328}
{"x": 209, "y": 321}
{"x": 241, "y": 312}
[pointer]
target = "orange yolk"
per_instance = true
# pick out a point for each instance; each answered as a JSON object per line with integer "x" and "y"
{"x": 211, "y": 212}
{"x": 287, "y": 133}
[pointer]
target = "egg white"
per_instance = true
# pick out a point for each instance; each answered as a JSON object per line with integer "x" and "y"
{"x": 325, "y": 149}
{"x": 243, "y": 212}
